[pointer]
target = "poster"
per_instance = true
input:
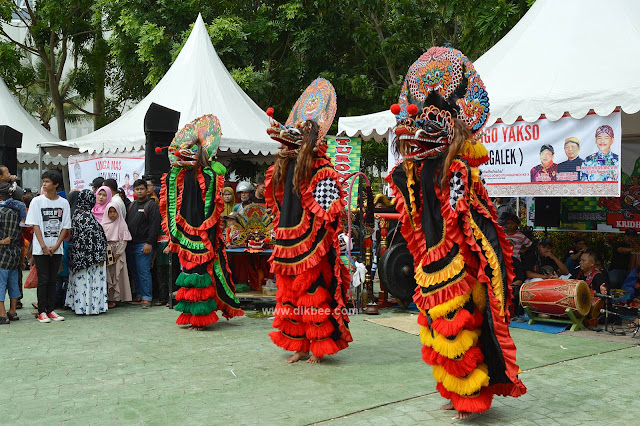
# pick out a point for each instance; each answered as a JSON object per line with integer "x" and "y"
{"x": 602, "y": 214}
{"x": 125, "y": 168}
{"x": 567, "y": 157}
{"x": 345, "y": 154}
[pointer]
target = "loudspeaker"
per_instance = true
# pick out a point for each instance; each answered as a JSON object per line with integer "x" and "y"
{"x": 10, "y": 141}
{"x": 547, "y": 212}
{"x": 160, "y": 126}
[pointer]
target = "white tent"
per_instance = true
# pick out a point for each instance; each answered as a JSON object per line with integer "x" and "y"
{"x": 562, "y": 56}
{"x": 196, "y": 84}
{"x": 14, "y": 115}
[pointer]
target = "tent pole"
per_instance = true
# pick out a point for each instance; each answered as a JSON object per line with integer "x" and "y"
{"x": 39, "y": 163}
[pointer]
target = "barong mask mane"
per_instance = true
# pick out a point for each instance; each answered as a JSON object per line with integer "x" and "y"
{"x": 318, "y": 103}
{"x": 202, "y": 134}
{"x": 440, "y": 86}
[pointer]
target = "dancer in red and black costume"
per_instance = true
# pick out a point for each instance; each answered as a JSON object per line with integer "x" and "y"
{"x": 462, "y": 258}
{"x": 304, "y": 193}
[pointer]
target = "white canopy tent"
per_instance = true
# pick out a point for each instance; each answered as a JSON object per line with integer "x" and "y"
{"x": 196, "y": 84}
{"x": 563, "y": 56}
{"x": 14, "y": 115}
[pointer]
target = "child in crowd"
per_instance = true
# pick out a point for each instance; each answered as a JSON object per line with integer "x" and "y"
{"x": 117, "y": 233}
{"x": 13, "y": 202}
{"x": 103, "y": 197}
{"x": 518, "y": 240}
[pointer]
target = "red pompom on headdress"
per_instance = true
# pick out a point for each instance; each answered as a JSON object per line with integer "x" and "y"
{"x": 412, "y": 109}
{"x": 395, "y": 109}
{"x": 158, "y": 150}
{"x": 270, "y": 112}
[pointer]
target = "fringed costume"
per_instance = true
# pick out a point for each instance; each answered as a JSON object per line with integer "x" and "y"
{"x": 191, "y": 205}
{"x": 461, "y": 256}
{"x": 311, "y": 278}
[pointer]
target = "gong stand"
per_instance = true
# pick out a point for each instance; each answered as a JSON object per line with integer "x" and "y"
{"x": 383, "y": 220}
{"x": 368, "y": 228}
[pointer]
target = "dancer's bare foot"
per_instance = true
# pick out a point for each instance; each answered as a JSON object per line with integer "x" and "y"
{"x": 297, "y": 357}
{"x": 462, "y": 415}
{"x": 193, "y": 327}
{"x": 314, "y": 359}
{"x": 447, "y": 406}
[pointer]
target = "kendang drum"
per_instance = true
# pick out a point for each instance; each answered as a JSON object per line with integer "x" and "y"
{"x": 554, "y": 296}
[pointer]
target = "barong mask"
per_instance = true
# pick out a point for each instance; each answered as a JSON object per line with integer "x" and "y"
{"x": 202, "y": 134}
{"x": 318, "y": 103}
{"x": 440, "y": 86}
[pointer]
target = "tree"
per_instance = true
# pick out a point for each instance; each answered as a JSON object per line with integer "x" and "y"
{"x": 56, "y": 32}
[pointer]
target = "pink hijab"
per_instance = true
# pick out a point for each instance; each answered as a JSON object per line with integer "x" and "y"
{"x": 99, "y": 209}
{"x": 116, "y": 230}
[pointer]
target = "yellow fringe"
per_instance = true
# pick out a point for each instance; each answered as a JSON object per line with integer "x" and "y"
{"x": 449, "y": 306}
{"x": 464, "y": 386}
{"x": 409, "y": 168}
{"x": 450, "y": 348}
{"x": 427, "y": 279}
{"x": 472, "y": 149}
{"x": 479, "y": 296}
{"x": 492, "y": 259}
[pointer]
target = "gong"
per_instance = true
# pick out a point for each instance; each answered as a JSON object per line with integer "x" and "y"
{"x": 397, "y": 273}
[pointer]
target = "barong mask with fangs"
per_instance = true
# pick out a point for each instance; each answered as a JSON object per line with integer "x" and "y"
{"x": 318, "y": 103}
{"x": 440, "y": 86}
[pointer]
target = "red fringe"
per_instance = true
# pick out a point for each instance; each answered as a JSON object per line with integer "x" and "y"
{"x": 463, "y": 319}
{"x": 323, "y": 347}
{"x": 319, "y": 314}
{"x": 197, "y": 320}
{"x": 287, "y": 325}
{"x": 443, "y": 391}
{"x": 321, "y": 296}
{"x": 459, "y": 368}
{"x": 196, "y": 294}
{"x": 515, "y": 389}
{"x": 310, "y": 261}
{"x": 321, "y": 331}
{"x": 474, "y": 404}
{"x": 286, "y": 311}
{"x": 289, "y": 344}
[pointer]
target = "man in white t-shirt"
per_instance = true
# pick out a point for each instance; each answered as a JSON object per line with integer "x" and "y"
{"x": 51, "y": 219}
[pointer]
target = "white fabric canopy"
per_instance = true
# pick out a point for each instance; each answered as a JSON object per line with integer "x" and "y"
{"x": 14, "y": 115}
{"x": 196, "y": 84}
{"x": 562, "y": 56}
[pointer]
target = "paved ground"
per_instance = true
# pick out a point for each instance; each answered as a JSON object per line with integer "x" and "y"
{"x": 136, "y": 366}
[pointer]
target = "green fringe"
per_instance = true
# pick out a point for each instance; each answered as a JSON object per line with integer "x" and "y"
{"x": 217, "y": 269}
{"x": 171, "y": 213}
{"x": 218, "y": 168}
{"x": 193, "y": 280}
{"x": 196, "y": 308}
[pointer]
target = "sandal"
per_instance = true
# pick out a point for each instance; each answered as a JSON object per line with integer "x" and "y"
{"x": 160, "y": 303}
{"x": 112, "y": 305}
{"x": 4, "y": 321}
{"x": 145, "y": 304}
{"x": 13, "y": 317}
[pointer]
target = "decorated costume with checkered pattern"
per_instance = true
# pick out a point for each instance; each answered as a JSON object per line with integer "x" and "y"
{"x": 312, "y": 280}
{"x": 462, "y": 258}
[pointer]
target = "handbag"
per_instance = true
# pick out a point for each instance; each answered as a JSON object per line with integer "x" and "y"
{"x": 32, "y": 278}
{"x": 111, "y": 259}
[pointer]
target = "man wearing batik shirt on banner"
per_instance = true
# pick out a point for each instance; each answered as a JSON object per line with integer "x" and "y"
{"x": 568, "y": 171}
{"x": 547, "y": 170}
{"x": 603, "y": 165}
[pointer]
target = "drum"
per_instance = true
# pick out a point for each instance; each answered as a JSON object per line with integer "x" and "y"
{"x": 554, "y": 296}
{"x": 596, "y": 305}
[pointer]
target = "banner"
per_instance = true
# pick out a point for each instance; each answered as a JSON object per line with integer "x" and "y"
{"x": 602, "y": 214}
{"x": 125, "y": 168}
{"x": 567, "y": 157}
{"x": 345, "y": 153}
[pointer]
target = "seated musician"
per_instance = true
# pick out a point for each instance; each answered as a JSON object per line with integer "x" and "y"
{"x": 588, "y": 272}
{"x": 541, "y": 263}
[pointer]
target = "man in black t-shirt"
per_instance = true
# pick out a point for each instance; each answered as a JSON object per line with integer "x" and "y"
{"x": 258, "y": 194}
{"x": 621, "y": 257}
{"x": 542, "y": 263}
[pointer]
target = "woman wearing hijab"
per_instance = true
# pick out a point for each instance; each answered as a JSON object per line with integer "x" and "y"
{"x": 229, "y": 198}
{"x": 103, "y": 197}
{"x": 87, "y": 291}
{"x": 117, "y": 232}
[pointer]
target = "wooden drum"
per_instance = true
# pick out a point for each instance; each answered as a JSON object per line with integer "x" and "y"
{"x": 554, "y": 296}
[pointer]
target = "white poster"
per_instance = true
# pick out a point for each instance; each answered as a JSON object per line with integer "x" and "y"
{"x": 125, "y": 168}
{"x": 568, "y": 157}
